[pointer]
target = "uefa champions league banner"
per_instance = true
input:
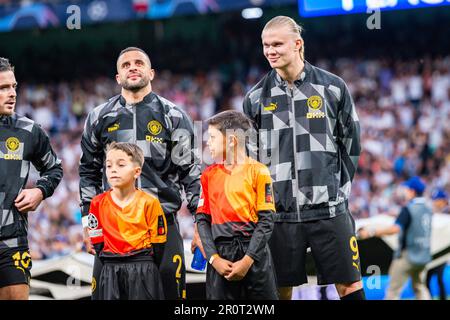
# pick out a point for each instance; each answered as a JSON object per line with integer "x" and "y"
{"x": 40, "y": 15}
{"x": 316, "y": 8}
{"x": 164, "y": 9}
{"x": 16, "y": 15}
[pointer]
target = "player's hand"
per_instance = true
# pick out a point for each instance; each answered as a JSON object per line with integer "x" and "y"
{"x": 87, "y": 241}
{"x": 240, "y": 268}
{"x": 197, "y": 242}
{"x": 222, "y": 266}
{"x": 28, "y": 200}
{"x": 363, "y": 234}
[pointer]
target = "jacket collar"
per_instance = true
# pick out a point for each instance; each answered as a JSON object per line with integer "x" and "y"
{"x": 7, "y": 120}
{"x": 147, "y": 99}
{"x": 304, "y": 74}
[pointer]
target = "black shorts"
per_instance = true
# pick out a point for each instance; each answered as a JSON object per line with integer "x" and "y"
{"x": 130, "y": 280}
{"x": 333, "y": 246}
{"x": 172, "y": 269}
{"x": 258, "y": 284}
{"x": 15, "y": 266}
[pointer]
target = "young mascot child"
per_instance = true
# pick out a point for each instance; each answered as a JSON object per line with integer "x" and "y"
{"x": 235, "y": 216}
{"x": 128, "y": 230}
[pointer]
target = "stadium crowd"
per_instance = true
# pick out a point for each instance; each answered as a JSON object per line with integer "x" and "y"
{"x": 403, "y": 107}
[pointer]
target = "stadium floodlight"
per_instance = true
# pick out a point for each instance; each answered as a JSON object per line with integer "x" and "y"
{"x": 347, "y": 5}
{"x": 252, "y": 13}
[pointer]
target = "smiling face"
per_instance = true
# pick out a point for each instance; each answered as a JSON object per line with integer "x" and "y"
{"x": 8, "y": 93}
{"x": 134, "y": 71}
{"x": 281, "y": 46}
{"x": 121, "y": 171}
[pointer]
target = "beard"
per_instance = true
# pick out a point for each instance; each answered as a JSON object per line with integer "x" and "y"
{"x": 4, "y": 111}
{"x": 134, "y": 87}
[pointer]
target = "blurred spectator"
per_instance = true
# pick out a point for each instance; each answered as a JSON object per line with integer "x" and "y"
{"x": 413, "y": 227}
{"x": 440, "y": 205}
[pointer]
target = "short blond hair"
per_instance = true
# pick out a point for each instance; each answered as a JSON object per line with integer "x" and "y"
{"x": 296, "y": 29}
{"x": 136, "y": 154}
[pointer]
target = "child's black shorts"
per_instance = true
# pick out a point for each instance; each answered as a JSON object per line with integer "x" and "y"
{"x": 129, "y": 279}
{"x": 258, "y": 284}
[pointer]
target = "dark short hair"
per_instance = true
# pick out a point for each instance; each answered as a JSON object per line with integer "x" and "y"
{"x": 136, "y": 154}
{"x": 133, "y": 49}
{"x": 230, "y": 120}
{"x": 5, "y": 65}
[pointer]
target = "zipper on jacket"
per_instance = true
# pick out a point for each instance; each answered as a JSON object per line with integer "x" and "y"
{"x": 134, "y": 110}
{"x": 293, "y": 123}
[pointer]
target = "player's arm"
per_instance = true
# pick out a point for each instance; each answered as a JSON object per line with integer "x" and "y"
{"x": 185, "y": 156}
{"x": 253, "y": 143}
{"x": 47, "y": 163}
{"x": 247, "y": 107}
{"x": 401, "y": 223}
{"x": 204, "y": 229}
{"x": 50, "y": 170}
{"x": 349, "y": 132}
{"x": 94, "y": 228}
{"x": 262, "y": 234}
{"x": 265, "y": 207}
{"x": 222, "y": 266}
{"x": 91, "y": 163}
{"x": 158, "y": 229}
{"x": 90, "y": 170}
{"x": 203, "y": 219}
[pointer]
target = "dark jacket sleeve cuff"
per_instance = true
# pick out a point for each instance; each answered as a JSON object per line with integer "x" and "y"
{"x": 253, "y": 255}
{"x": 44, "y": 191}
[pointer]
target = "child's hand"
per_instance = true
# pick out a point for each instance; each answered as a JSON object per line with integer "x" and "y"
{"x": 87, "y": 241}
{"x": 240, "y": 269}
{"x": 222, "y": 266}
{"x": 197, "y": 241}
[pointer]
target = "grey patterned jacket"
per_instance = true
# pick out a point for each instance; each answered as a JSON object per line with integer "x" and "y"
{"x": 309, "y": 137}
{"x": 165, "y": 134}
{"x": 22, "y": 142}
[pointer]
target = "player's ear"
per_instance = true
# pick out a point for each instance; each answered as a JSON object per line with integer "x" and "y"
{"x": 298, "y": 44}
{"x": 118, "y": 79}
{"x": 152, "y": 74}
{"x": 137, "y": 172}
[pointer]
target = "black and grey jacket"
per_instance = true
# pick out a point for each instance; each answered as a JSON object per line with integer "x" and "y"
{"x": 309, "y": 137}
{"x": 22, "y": 142}
{"x": 166, "y": 135}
